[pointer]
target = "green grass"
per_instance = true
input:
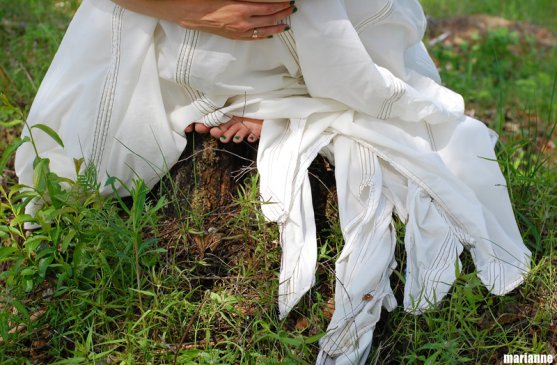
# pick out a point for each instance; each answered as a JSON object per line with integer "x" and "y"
{"x": 107, "y": 281}
{"x": 540, "y": 12}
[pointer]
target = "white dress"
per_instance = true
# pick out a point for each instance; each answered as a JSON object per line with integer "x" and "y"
{"x": 350, "y": 80}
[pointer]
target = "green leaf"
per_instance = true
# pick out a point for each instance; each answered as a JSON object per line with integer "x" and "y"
{"x": 112, "y": 182}
{"x": 22, "y": 219}
{"x": 28, "y": 285}
{"x": 102, "y": 355}
{"x": 144, "y": 292}
{"x": 50, "y": 132}
{"x": 12, "y": 123}
{"x": 67, "y": 240}
{"x": 44, "y": 264}
{"x": 7, "y": 253}
{"x": 55, "y": 191}
{"x": 73, "y": 360}
{"x": 160, "y": 204}
{"x": 77, "y": 165}
{"x": 28, "y": 271}
{"x": 5, "y": 231}
{"x": 20, "y": 309}
{"x": 44, "y": 219}
{"x": 78, "y": 252}
{"x": 32, "y": 243}
{"x": 139, "y": 198}
{"x": 10, "y": 150}
{"x": 314, "y": 339}
{"x": 40, "y": 171}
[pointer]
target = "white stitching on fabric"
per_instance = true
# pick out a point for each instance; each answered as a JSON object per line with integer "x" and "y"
{"x": 288, "y": 40}
{"x": 400, "y": 93}
{"x": 104, "y": 112}
{"x": 432, "y": 143}
{"x": 399, "y": 89}
{"x": 183, "y": 72}
{"x": 375, "y": 18}
{"x": 402, "y": 170}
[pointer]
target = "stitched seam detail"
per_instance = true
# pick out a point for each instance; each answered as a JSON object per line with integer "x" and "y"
{"x": 387, "y": 106}
{"x": 106, "y": 104}
{"x": 181, "y": 63}
{"x": 183, "y": 72}
{"x": 287, "y": 39}
{"x": 375, "y": 18}
{"x": 432, "y": 143}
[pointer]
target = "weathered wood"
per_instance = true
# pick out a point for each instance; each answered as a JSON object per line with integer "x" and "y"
{"x": 204, "y": 178}
{"x": 209, "y": 173}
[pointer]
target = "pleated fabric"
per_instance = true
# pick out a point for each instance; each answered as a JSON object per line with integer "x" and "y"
{"x": 350, "y": 80}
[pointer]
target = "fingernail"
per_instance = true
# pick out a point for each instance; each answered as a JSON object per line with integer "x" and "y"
{"x": 292, "y": 3}
{"x": 295, "y": 10}
{"x": 236, "y": 138}
{"x": 251, "y": 138}
{"x": 287, "y": 28}
{"x": 223, "y": 138}
{"x": 270, "y": 36}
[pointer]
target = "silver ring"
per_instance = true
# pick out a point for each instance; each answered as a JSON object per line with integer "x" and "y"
{"x": 255, "y": 34}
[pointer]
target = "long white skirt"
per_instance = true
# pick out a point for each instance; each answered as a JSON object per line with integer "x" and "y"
{"x": 351, "y": 80}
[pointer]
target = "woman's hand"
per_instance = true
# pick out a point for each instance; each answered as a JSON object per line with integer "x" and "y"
{"x": 228, "y": 18}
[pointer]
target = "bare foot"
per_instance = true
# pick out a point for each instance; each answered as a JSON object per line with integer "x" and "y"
{"x": 198, "y": 127}
{"x": 236, "y": 129}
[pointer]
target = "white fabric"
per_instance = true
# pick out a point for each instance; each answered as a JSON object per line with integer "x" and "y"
{"x": 123, "y": 86}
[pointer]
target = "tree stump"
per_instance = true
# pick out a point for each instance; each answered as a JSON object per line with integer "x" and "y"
{"x": 209, "y": 173}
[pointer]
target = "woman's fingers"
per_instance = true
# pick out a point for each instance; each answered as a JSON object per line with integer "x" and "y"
{"x": 265, "y": 32}
{"x": 232, "y": 19}
{"x": 265, "y": 25}
{"x": 272, "y": 15}
{"x": 248, "y": 20}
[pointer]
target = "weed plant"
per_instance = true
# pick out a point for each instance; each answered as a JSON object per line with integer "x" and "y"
{"x": 111, "y": 280}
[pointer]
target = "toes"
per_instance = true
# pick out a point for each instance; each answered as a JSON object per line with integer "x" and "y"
{"x": 252, "y": 137}
{"x": 218, "y": 131}
{"x": 254, "y": 126}
{"x": 230, "y": 133}
{"x": 201, "y": 128}
{"x": 242, "y": 132}
{"x": 237, "y": 129}
{"x": 198, "y": 127}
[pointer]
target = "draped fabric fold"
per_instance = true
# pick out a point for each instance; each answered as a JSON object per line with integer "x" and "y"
{"x": 351, "y": 78}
